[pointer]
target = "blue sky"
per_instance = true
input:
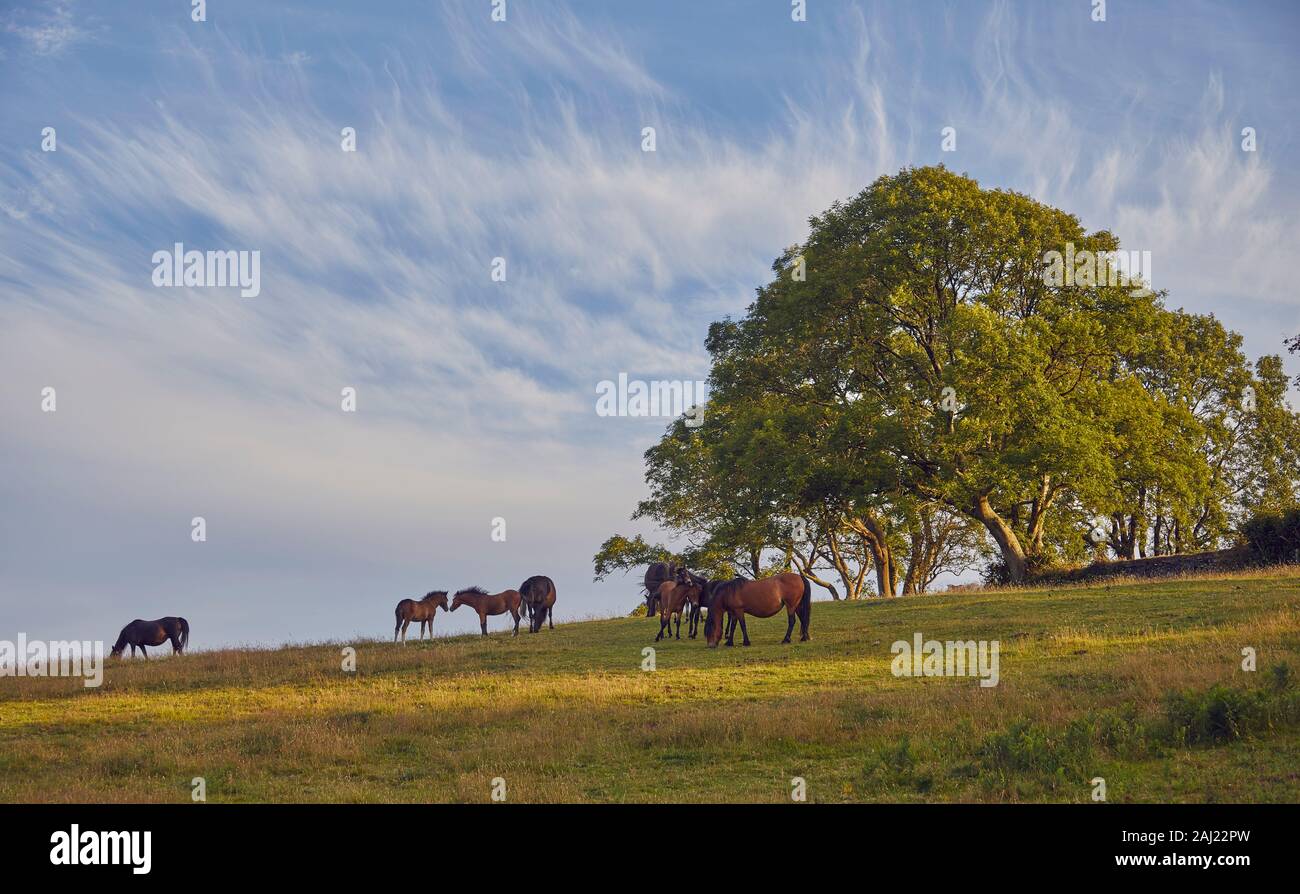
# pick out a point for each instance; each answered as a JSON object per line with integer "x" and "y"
{"x": 518, "y": 139}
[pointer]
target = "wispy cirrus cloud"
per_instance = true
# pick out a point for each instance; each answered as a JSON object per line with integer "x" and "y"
{"x": 45, "y": 29}
{"x": 478, "y": 141}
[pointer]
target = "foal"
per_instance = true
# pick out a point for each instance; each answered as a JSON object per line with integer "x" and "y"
{"x": 697, "y": 597}
{"x": 409, "y": 610}
{"x": 489, "y": 604}
{"x": 674, "y": 599}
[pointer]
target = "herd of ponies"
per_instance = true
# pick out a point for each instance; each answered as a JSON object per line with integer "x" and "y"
{"x": 670, "y": 588}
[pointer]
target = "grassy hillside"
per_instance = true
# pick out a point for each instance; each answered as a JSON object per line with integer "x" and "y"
{"x": 568, "y": 715}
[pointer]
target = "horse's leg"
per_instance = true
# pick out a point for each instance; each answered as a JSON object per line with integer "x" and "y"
{"x": 132, "y": 650}
{"x": 789, "y": 629}
{"x": 482, "y": 621}
{"x": 730, "y": 621}
{"x": 144, "y": 652}
{"x": 515, "y": 614}
{"x": 550, "y": 616}
{"x": 743, "y": 632}
{"x": 662, "y": 624}
{"x": 678, "y": 618}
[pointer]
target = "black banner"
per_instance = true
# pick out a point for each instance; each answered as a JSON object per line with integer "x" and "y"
{"x": 296, "y": 842}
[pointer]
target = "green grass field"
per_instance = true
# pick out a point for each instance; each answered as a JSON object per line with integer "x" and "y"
{"x": 569, "y": 715}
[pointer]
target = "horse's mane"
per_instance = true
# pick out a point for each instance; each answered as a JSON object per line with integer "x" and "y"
{"x": 728, "y": 586}
{"x": 432, "y": 593}
{"x": 476, "y": 590}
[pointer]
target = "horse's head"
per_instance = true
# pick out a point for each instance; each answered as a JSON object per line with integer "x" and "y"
{"x": 438, "y": 598}
{"x": 466, "y": 597}
{"x": 700, "y": 583}
{"x": 714, "y": 596}
{"x": 713, "y": 628}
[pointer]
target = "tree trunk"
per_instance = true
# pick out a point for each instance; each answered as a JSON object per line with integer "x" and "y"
{"x": 882, "y": 557}
{"x": 913, "y": 565}
{"x": 1006, "y": 539}
{"x": 1038, "y": 515}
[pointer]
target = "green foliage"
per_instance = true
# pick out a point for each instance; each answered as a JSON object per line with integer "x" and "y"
{"x": 1058, "y": 757}
{"x": 1225, "y": 714}
{"x": 928, "y": 367}
{"x": 618, "y": 553}
{"x": 1273, "y": 537}
{"x": 897, "y": 765}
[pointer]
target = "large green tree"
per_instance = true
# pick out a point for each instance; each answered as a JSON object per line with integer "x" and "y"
{"x": 938, "y": 359}
{"x": 948, "y": 367}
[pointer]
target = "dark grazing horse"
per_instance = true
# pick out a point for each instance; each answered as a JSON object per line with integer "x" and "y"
{"x": 538, "y": 594}
{"x": 153, "y": 633}
{"x": 489, "y": 604}
{"x": 734, "y": 599}
{"x": 409, "y": 610}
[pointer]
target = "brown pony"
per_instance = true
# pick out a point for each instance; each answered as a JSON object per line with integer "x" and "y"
{"x": 409, "y": 610}
{"x": 489, "y": 604}
{"x": 153, "y": 633}
{"x": 697, "y": 596}
{"x": 655, "y": 575}
{"x": 538, "y": 594}
{"x": 674, "y": 598}
{"x": 762, "y": 598}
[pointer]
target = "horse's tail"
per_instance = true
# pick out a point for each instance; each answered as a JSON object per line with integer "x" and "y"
{"x": 185, "y": 633}
{"x": 805, "y": 604}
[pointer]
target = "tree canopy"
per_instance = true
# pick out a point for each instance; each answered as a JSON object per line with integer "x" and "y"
{"x": 919, "y": 383}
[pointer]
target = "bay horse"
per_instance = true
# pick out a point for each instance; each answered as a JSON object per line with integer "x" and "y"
{"x": 409, "y": 610}
{"x": 674, "y": 598}
{"x": 734, "y": 599}
{"x": 489, "y": 604}
{"x": 655, "y": 575}
{"x": 698, "y": 596}
{"x": 538, "y": 594}
{"x": 152, "y": 633}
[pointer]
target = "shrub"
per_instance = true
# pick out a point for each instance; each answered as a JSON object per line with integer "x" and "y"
{"x": 1224, "y": 714}
{"x": 1220, "y": 714}
{"x": 1059, "y": 756}
{"x": 1273, "y": 537}
{"x": 996, "y": 574}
